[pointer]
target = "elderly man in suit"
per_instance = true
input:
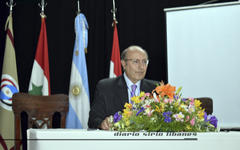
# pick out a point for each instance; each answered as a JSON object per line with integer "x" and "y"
{"x": 111, "y": 94}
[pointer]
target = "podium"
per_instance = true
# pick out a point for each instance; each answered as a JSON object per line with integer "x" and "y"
{"x": 71, "y": 139}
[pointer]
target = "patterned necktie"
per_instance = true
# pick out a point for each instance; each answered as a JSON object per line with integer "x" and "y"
{"x": 134, "y": 87}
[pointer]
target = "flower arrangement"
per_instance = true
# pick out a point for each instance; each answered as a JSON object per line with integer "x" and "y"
{"x": 163, "y": 110}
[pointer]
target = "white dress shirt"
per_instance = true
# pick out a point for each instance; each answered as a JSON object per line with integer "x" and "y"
{"x": 129, "y": 83}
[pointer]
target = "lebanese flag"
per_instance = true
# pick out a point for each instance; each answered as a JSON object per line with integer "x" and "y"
{"x": 115, "y": 63}
{"x": 40, "y": 78}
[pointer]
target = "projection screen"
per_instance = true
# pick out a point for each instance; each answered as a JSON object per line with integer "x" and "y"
{"x": 203, "y": 52}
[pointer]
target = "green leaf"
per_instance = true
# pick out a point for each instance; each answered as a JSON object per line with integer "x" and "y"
{"x": 178, "y": 90}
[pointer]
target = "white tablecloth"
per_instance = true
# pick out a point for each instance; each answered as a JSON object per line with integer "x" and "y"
{"x": 74, "y": 139}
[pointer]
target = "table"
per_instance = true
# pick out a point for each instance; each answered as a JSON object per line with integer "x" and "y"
{"x": 74, "y": 139}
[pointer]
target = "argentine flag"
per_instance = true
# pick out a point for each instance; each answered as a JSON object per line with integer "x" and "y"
{"x": 79, "y": 101}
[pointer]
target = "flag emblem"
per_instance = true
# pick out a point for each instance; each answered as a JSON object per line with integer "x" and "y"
{"x": 76, "y": 53}
{"x": 8, "y": 87}
{"x": 76, "y": 90}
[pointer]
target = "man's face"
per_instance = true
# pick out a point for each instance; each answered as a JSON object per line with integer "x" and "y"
{"x": 135, "y": 65}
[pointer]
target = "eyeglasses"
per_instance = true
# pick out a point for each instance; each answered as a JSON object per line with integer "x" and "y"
{"x": 137, "y": 61}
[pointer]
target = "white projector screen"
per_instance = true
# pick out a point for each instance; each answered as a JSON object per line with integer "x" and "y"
{"x": 203, "y": 52}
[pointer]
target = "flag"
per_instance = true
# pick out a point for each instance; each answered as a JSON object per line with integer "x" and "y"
{"x": 79, "y": 103}
{"x": 9, "y": 86}
{"x": 115, "y": 63}
{"x": 40, "y": 78}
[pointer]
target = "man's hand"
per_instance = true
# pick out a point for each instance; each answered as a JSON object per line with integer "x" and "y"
{"x": 105, "y": 125}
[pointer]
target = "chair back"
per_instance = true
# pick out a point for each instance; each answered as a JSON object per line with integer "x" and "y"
{"x": 40, "y": 111}
{"x": 207, "y": 104}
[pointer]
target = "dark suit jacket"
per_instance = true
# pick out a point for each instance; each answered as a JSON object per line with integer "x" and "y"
{"x": 110, "y": 97}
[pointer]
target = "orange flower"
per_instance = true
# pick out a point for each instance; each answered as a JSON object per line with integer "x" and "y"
{"x": 165, "y": 90}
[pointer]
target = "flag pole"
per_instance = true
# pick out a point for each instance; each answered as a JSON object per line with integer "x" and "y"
{"x": 78, "y": 4}
{"x": 42, "y": 6}
{"x": 115, "y": 62}
{"x": 10, "y": 4}
{"x": 114, "y": 10}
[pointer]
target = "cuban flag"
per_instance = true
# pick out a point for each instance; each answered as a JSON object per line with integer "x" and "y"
{"x": 79, "y": 101}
